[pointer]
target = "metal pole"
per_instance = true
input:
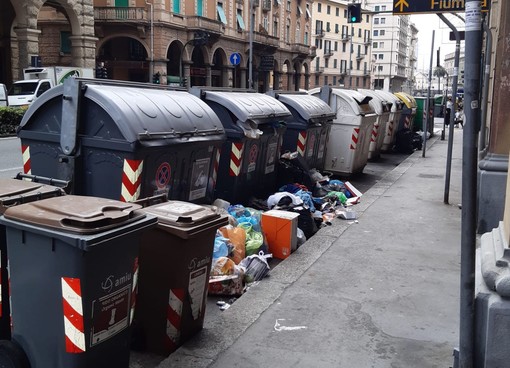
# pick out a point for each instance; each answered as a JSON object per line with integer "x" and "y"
{"x": 473, "y": 50}
{"x": 485, "y": 90}
{"x": 350, "y": 56}
{"x": 427, "y": 102}
{"x": 250, "y": 65}
{"x": 455, "y": 82}
{"x": 151, "y": 65}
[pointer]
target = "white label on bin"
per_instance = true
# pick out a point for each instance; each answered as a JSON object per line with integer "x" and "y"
{"x": 271, "y": 157}
{"x": 199, "y": 179}
{"x": 322, "y": 145}
{"x": 110, "y": 315}
{"x": 310, "y": 145}
{"x": 196, "y": 290}
{"x": 252, "y": 158}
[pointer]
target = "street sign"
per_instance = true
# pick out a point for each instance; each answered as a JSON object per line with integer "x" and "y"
{"x": 235, "y": 58}
{"x": 433, "y": 6}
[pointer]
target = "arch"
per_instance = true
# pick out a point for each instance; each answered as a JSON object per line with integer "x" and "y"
{"x": 173, "y": 65}
{"x": 200, "y": 69}
{"x": 125, "y": 58}
{"x": 219, "y": 64}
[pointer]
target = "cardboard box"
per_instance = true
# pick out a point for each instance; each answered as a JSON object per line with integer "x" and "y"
{"x": 280, "y": 231}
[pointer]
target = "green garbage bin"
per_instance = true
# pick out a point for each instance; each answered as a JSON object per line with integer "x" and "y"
{"x": 419, "y": 119}
{"x": 73, "y": 263}
{"x": 175, "y": 262}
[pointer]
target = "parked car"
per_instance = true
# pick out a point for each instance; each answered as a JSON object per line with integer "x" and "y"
{"x": 3, "y": 95}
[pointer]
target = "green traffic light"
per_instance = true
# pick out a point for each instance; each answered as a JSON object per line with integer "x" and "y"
{"x": 353, "y": 19}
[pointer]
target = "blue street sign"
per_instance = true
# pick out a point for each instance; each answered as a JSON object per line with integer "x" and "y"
{"x": 235, "y": 58}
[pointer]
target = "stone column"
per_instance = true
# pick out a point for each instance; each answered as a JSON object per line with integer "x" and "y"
{"x": 83, "y": 51}
{"x": 28, "y": 45}
{"x": 493, "y": 168}
{"x": 242, "y": 82}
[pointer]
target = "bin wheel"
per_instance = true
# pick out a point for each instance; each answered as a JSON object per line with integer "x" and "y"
{"x": 12, "y": 355}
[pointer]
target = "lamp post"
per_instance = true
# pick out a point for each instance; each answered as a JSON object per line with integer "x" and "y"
{"x": 250, "y": 66}
{"x": 151, "y": 65}
{"x": 200, "y": 38}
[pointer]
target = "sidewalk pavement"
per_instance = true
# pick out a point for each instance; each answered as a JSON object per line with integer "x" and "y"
{"x": 379, "y": 292}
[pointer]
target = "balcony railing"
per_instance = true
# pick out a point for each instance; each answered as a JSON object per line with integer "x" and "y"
{"x": 265, "y": 39}
{"x": 366, "y": 72}
{"x": 206, "y": 24}
{"x": 345, "y": 38}
{"x": 300, "y": 48}
{"x": 360, "y": 56}
{"x": 319, "y": 33}
{"x": 266, "y": 5}
{"x": 120, "y": 13}
{"x": 328, "y": 53}
{"x": 367, "y": 41}
{"x": 319, "y": 69}
{"x": 343, "y": 71}
{"x": 313, "y": 51}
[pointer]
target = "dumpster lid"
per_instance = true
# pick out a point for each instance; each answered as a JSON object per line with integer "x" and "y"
{"x": 142, "y": 114}
{"x": 14, "y": 192}
{"x": 359, "y": 102}
{"x": 379, "y": 102}
{"x": 247, "y": 106}
{"x": 310, "y": 108}
{"x": 185, "y": 219}
{"x": 75, "y": 214}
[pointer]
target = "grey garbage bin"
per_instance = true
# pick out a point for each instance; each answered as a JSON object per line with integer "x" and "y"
{"x": 124, "y": 141}
{"x": 254, "y": 124}
{"x": 14, "y": 192}
{"x": 308, "y": 129}
{"x": 175, "y": 262}
{"x": 73, "y": 264}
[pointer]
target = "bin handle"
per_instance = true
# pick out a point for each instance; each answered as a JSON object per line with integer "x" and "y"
{"x": 108, "y": 216}
{"x": 43, "y": 180}
{"x": 149, "y": 201}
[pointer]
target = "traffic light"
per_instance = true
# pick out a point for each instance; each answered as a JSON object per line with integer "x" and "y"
{"x": 101, "y": 72}
{"x": 184, "y": 82}
{"x": 354, "y": 13}
{"x": 155, "y": 78}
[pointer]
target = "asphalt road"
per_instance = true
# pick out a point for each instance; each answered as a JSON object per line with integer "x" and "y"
{"x": 11, "y": 161}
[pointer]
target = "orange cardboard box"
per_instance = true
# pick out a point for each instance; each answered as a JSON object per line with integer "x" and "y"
{"x": 280, "y": 231}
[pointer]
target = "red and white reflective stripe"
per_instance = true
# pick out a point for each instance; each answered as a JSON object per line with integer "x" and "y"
{"x": 134, "y": 290}
{"x": 131, "y": 180}
{"x": 301, "y": 143}
{"x": 73, "y": 315}
{"x": 354, "y": 138}
{"x": 27, "y": 164}
{"x": 174, "y": 316}
{"x": 235, "y": 159}
{"x": 216, "y": 166}
{"x": 407, "y": 122}
{"x": 390, "y": 128}
{"x": 373, "y": 137}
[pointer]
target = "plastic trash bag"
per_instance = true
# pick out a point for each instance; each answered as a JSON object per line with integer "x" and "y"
{"x": 254, "y": 239}
{"x": 222, "y": 246}
{"x": 237, "y": 237}
{"x": 301, "y": 238}
{"x": 223, "y": 266}
{"x": 256, "y": 267}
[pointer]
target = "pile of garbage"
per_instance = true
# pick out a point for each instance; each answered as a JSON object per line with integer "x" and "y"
{"x": 275, "y": 227}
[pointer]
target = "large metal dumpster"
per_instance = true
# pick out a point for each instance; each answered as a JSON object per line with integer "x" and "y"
{"x": 123, "y": 140}
{"x": 395, "y": 114}
{"x": 382, "y": 107}
{"x": 409, "y": 111}
{"x": 308, "y": 128}
{"x": 254, "y": 124}
{"x": 349, "y": 139}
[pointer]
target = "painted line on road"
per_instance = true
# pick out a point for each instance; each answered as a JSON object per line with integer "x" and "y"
{"x": 12, "y": 169}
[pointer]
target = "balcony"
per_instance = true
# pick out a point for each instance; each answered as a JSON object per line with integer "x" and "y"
{"x": 319, "y": 33}
{"x": 366, "y": 72}
{"x": 367, "y": 41}
{"x": 266, "y": 5}
{"x": 121, "y": 14}
{"x": 360, "y": 57}
{"x": 264, "y": 41}
{"x": 313, "y": 51}
{"x": 345, "y": 38}
{"x": 343, "y": 72}
{"x": 300, "y": 48}
{"x": 196, "y": 23}
{"x": 328, "y": 53}
{"x": 319, "y": 69}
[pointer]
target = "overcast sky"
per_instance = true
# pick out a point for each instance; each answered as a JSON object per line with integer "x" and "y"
{"x": 426, "y": 23}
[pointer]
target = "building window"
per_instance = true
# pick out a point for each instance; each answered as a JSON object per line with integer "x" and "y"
{"x": 287, "y": 32}
{"x": 380, "y": 68}
{"x": 358, "y": 63}
{"x": 381, "y": 56}
{"x": 200, "y": 8}
{"x": 343, "y": 47}
{"x": 306, "y": 38}
{"x": 337, "y": 11}
{"x": 265, "y": 23}
{"x": 374, "y": 46}
{"x": 328, "y": 9}
{"x": 359, "y": 33}
{"x": 383, "y": 32}
{"x": 335, "y": 63}
{"x": 336, "y": 45}
{"x": 376, "y": 20}
{"x": 221, "y": 13}
{"x": 326, "y": 63}
{"x": 336, "y": 28}
{"x": 357, "y": 81}
{"x": 308, "y": 14}
{"x": 328, "y": 27}
{"x": 275, "y": 27}
{"x": 176, "y": 8}
{"x": 383, "y": 7}
{"x": 345, "y": 13}
{"x": 317, "y": 63}
{"x": 319, "y": 7}
{"x": 65, "y": 42}
{"x": 383, "y": 20}
{"x": 377, "y": 8}
{"x": 368, "y": 18}
{"x": 334, "y": 80}
{"x": 381, "y": 45}
{"x": 316, "y": 80}
{"x": 240, "y": 21}
{"x": 376, "y": 33}
{"x": 326, "y": 80}
{"x": 288, "y": 5}
{"x": 298, "y": 33}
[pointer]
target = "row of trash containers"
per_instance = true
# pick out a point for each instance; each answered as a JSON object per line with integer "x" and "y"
{"x": 88, "y": 276}
{"x": 130, "y": 141}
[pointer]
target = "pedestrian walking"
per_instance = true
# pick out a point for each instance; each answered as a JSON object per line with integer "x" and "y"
{"x": 449, "y": 106}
